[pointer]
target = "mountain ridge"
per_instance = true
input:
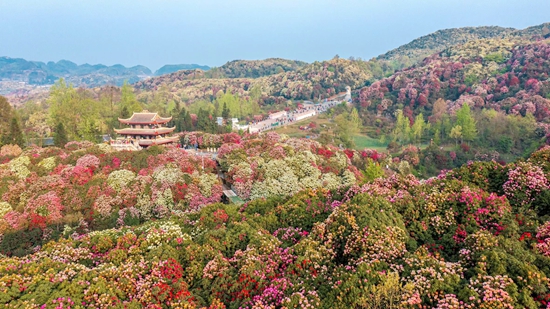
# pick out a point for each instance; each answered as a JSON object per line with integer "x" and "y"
{"x": 14, "y": 71}
{"x": 416, "y": 50}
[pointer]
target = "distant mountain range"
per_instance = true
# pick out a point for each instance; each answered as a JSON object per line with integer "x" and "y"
{"x": 279, "y": 79}
{"x": 17, "y": 73}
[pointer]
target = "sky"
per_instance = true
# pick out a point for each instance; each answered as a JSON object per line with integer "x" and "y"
{"x": 211, "y": 32}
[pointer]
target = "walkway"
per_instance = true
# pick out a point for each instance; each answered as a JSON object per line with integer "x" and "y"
{"x": 290, "y": 118}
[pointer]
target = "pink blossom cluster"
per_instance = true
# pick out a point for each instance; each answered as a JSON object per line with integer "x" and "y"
{"x": 524, "y": 182}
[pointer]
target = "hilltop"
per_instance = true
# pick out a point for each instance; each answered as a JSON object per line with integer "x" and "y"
{"x": 424, "y": 46}
{"x": 296, "y": 80}
{"x": 257, "y": 68}
{"x": 171, "y": 68}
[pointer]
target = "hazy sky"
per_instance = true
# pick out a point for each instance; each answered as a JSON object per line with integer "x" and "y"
{"x": 212, "y": 32}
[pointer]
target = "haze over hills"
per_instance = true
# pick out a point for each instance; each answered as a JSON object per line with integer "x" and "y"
{"x": 20, "y": 74}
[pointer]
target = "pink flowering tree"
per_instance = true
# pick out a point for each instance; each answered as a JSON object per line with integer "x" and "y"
{"x": 525, "y": 181}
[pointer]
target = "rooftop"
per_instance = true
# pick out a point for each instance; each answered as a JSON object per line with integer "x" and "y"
{"x": 145, "y": 117}
{"x": 155, "y": 131}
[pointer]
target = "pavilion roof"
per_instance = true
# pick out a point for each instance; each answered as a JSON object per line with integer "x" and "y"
{"x": 145, "y": 117}
{"x": 156, "y": 131}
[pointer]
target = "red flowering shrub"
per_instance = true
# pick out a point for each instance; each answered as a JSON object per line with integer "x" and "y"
{"x": 45, "y": 209}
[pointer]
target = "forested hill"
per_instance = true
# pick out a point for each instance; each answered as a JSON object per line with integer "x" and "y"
{"x": 504, "y": 82}
{"x": 257, "y": 68}
{"x": 171, "y": 68}
{"x": 424, "y": 46}
{"x": 296, "y": 81}
{"x": 503, "y": 74}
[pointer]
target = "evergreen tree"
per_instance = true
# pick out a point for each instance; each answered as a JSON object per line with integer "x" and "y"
{"x": 124, "y": 113}
{"x": 175, "y": 112}
{"x": 183, "y": 121}
{"x": 225, "y": 112}
{"x": 178, "y": 121}
{"x": 60, "y": 136}
{"x": 128, "y": 99}
{"x": 203, "y": 121}
{"x": 14, "y": 136}
{"x": 6, "y": 114}
{"x": 446, "y": 126}
{"x": 437, "y": 137}
{"x": 188, "y": 122}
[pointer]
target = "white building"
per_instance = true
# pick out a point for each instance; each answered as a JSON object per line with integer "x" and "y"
{"x": 278, "y": 115}
{"x": 219, "y": 120}
{"x": 238, "y": 127}
{"x": 254, "y": 129}
{"x": 304, "y": 115}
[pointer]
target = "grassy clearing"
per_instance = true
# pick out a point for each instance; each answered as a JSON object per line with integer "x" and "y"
{"x": 293, "y": 130}
{"x": 363, "y": 141}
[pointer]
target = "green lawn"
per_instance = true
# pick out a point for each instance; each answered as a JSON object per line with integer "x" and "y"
{"x": 293, "y": 130}
{"x": 363, "y": 141}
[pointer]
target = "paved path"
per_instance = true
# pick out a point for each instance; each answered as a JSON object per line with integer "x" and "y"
{"x": 271, "y": 124}
{"x": 202, "y": 153}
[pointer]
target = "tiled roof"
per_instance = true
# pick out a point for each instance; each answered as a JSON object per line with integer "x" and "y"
{"x": 130, "y": 131}
{"x": 145, "y": 117}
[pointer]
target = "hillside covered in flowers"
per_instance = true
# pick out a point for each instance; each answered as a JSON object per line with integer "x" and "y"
{"x": 48, "y": 191}
{"x": 83, "y": 227}
{"x": 509, "y": 75}
{"x": 314, "y": 225}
